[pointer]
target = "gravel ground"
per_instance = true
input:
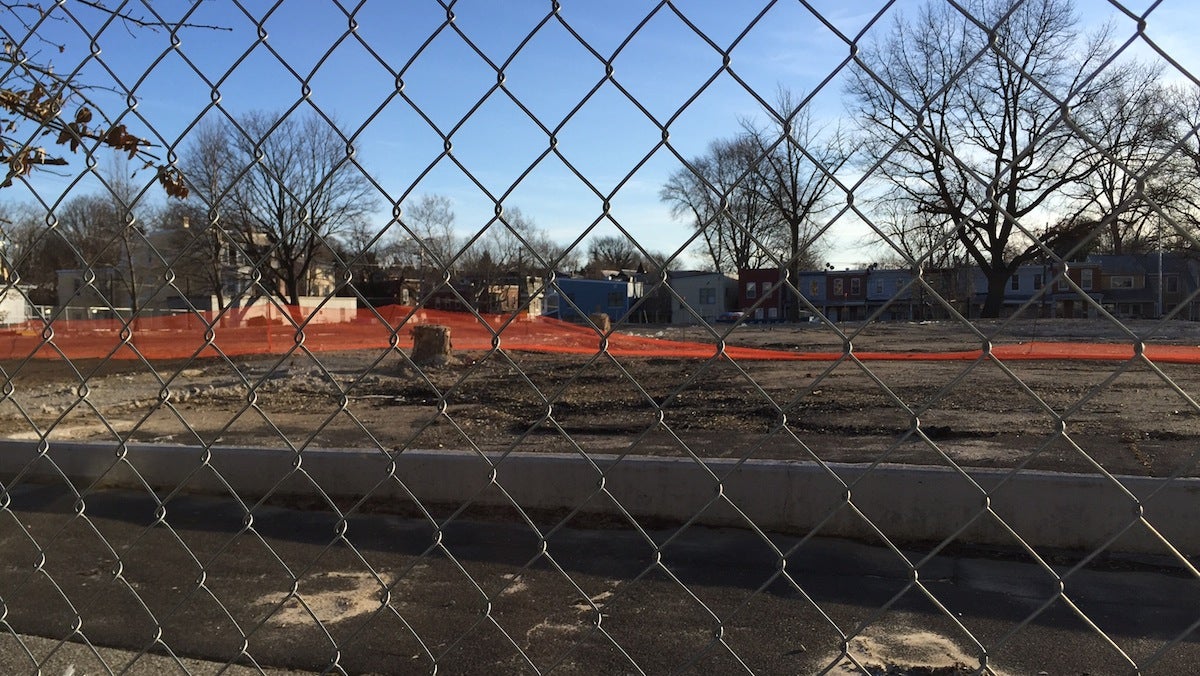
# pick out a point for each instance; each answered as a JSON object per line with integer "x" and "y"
{"x": 1127, "y": 417}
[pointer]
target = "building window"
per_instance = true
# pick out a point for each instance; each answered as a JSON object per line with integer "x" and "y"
{"x": 879, "y": 286}
{"x": 838, "y": 286}
{"x": 772, "y": 313}
{"x": 766, "y": 289}
{"x": 1015, "y": 284}
{"x": 814, "y": 288}
{"x": 616, "y": 299}
{"x": 1061, "y": 285}
{"x": 855, "y": 286}
{"x": 708, "y": 296}
{"x": 751, "y": 290}
{"x": 1085, "y": 279}
{"x": 1037, "y": 281}
{"x": 1172, "y": 283}
{"x": 1120, "y": 282}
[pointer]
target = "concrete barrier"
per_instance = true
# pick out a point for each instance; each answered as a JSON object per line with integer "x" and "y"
{"x": 907, "y": 503}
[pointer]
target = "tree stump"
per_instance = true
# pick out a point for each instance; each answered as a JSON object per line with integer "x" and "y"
{"x": 601, "y": 321}
{"x": 431, "y": 345}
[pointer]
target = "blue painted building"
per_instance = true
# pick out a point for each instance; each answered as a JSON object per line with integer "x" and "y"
{"x": 573, "y": 299}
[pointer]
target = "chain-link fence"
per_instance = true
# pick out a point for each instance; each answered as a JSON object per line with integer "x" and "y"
{"x": 464, "y": 337}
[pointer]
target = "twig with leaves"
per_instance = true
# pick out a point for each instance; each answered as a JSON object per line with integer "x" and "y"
{"x": 31, "y": 93}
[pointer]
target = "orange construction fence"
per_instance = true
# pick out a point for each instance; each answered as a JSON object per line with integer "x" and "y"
{"x": 277, "y": 331}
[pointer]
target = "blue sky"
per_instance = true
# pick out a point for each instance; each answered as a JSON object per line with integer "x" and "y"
{"x": 662, "y": 67}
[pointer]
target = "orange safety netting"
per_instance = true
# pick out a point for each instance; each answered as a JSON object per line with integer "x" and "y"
{"x": 270, "y": 331}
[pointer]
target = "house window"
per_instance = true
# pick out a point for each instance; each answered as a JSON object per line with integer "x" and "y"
{"x": 879, "y": 286}
{"x": 1015, "y": 284}
{"x": 1037, "y": 281}
{"x": 616, "y": 299}
{"x": 766, "y": 288}
{"x": 751, "y": 290}
{"x": 1172, "y": 283}
{"x": 1085, "y": 279}
{"x": 814, "y": 288}
{"x": 1120, "y": 282}
{"x": 855, "y": 286}
{"x": 708, "y": 296}
{"x": 772, "y": 313}
{"x": 838, "y": 286}
{"x": 1061, "y": 285}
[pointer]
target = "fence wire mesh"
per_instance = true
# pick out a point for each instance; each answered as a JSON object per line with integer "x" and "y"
{"x": 525, "y": 338}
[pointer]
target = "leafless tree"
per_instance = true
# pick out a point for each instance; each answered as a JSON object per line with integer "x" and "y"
{"x": 1182, "y": 215}
{"x": 43, "y": 110}
{"x": 292, "y": 190}
{"x": 1135, "y": 175}
{"x": 428, "y": 236}
{"x": 914, "y": 240}
{"x": 211, "y": 241}
{"x": 967, "y": 121}
{"x": 794, "y": 159}
{"x": 32, "y": 252}
{"x": 510, "y": 252}
{"x": 726, "y": 199}
{"x": 612, "y": 252}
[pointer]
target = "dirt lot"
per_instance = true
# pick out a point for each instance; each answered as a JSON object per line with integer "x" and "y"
{"x": 1127, "y": 417}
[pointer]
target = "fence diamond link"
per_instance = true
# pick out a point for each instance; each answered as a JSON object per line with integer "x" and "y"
{"x": 232, "y": 483}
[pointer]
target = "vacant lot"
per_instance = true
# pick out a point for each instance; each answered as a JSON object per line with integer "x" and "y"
{"x": 1129, "y": 417}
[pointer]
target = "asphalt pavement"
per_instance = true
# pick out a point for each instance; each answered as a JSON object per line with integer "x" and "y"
{"x": 203, "y": 587}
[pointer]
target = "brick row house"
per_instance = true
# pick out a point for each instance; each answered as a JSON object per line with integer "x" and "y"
{"x": 1129, "y": 286}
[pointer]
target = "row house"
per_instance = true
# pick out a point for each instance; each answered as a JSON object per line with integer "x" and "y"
{"x": 892, "y": 294}
{"x": 843, "y": 295}
{"x": 761, "y": 294}
{"x": 1128, "y": 286}
{"x": 846, "y": 295}
{"x": 1135, "y": 286}
{"x": 1026, "y": 292}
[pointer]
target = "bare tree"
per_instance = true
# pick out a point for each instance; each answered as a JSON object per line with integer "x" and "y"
{"x": 553, "y": 254}
{"x": 511, "y": 253}
{"x": 727, "y": 200}
{"x": 365, "y": 249}
{"x": 293, "y": 191}
{"x": 1133, "y": 178}
{"x": 211, "y": 241}
{"x": 794, "y": 160}
{"x": 89, "y": 238}
{"x": 970, "y": 127}
{"x": 132, "y": 218}
{"x": 612, "y": 252}
{"x": 1183, "y": 213}
{"x": 32, "y": 252}
{"x": 428, "y": 237}
{"x": 915, "y": 239}
{"x": 106, "y": 232}
{"x": 38, "y": 102}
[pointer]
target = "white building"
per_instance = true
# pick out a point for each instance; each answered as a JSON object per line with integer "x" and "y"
{"x": 705, "y": 295}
